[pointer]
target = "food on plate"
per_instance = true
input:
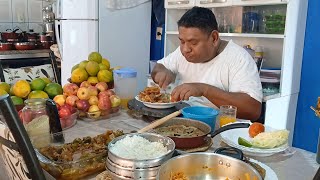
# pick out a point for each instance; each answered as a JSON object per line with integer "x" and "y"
{"x": 270, "y": 139}
{"x": 153, "y": 95}
{"x": 80, "y": 157}
{"x": 244, "y": 142}
{"x": 137, "y": 147}
{"x": 255, "y": 128}
{"x": 178, "y": 176}
{"x": 179, "y": 131}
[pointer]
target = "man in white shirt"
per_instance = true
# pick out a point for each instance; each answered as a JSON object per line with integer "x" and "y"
{"x": 220, "y": 71}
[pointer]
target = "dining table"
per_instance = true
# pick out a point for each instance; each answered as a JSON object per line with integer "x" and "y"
{"x": 293, "y": 163}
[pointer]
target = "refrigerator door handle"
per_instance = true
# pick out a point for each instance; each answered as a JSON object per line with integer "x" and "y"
{"x": 58, "y": 13}
{"x": 57, "y": 24}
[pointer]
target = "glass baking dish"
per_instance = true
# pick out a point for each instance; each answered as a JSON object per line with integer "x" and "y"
{"x": 74, "y": 154}
{"x": 101, "y": 114}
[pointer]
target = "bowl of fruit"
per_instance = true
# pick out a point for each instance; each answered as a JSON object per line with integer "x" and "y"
{"x": 94, "y": 101}
{"x": 68, "y": 116}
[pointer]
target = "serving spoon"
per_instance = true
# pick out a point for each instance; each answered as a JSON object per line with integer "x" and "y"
{"x": 160, "y": 121}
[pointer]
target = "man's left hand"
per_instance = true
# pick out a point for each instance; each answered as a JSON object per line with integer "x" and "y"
{"x": 184, "y": 91}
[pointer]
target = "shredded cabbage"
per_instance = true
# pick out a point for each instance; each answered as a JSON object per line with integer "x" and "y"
{"x": 270, "y": 139}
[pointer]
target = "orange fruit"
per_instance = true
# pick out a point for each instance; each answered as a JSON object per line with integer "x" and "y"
{"x": 255, "y": 128}
{"x": 21, "y": 88}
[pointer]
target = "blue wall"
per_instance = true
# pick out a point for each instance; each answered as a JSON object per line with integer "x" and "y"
{"x": 307, "y": 124}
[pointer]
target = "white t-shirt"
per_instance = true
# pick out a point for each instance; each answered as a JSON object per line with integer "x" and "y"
{"x": 233, "y": 70}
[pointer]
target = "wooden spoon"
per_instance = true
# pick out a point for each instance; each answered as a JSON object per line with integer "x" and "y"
{"x": 160, "y": 121}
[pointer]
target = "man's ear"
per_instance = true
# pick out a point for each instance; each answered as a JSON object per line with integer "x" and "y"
{"x": 215, "y": 37}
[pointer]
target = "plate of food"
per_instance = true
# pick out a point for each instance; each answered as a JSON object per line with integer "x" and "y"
{"x": 257, "y": 140}
{"x": 153, "y": 98}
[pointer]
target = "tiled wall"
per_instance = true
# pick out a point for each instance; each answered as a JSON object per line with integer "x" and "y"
{"x": 25, "y": 14}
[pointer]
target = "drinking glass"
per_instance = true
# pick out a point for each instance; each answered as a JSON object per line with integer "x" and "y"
{"x": 227, "y": 114}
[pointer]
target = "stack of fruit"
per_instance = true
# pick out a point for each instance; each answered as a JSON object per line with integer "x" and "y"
{"x": 95, "y": 69}
{"x": 37, "y": 88}
{"x": 93, "y": 100}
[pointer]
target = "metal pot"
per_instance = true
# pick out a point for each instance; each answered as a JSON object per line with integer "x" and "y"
{"x": 122, "y": 168}
{"x": 6, "y": 46}
{"x": 10, "y": 34}
{"x": 46, "y": 44}
{"x": 197, "y": 141}
{"x": 24, "y": 45}
{"x": 207, "y": 166}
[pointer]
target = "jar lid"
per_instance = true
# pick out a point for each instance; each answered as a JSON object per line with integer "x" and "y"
{"x": 35, "y": 101}
{"x": 126, "y": 72}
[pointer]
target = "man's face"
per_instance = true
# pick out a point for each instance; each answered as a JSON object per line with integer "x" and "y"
{"x": 196, "y": 46}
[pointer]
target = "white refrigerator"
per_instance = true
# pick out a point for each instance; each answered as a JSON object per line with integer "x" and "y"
{"x": 120, "y": 35}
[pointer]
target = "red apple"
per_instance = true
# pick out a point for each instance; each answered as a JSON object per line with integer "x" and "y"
{"x": 110, "y": 92}
{"x": 83, "y": 105}
{"x": 103, "y": 94}
{"x": 83, "y": 93}
{"x": 104, "y": 103}
{"x": 64, "y": 112}
{"x": 71, "y": 100}
{"x": 115, "y": 101}
{"x": 71, "y": 109}
{"x": 85, "y": 84}
{"x": 102, "y": 86}
{"x": 93, "y": 100}
{"x": 60, "y": 99}
{"x": 70, "y": 89}
{"x": 93, "y": 91}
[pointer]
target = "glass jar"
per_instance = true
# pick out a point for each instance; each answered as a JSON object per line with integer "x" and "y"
{"x": 34, "y": 108}
{"x": 36, "y": 120}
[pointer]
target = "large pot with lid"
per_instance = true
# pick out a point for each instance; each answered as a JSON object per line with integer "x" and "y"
{"x": 207, "y": 165}
{"x": 10, "y": 34}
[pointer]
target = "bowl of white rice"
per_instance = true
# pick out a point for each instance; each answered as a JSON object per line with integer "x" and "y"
{"x": 138, "y": 155}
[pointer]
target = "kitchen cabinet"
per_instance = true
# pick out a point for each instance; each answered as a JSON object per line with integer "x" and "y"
{"x": 280, "y": 32}
{"x": 176, "y": 4}
{"x": 257, "y": 2}
{"x": 213, "y": 3}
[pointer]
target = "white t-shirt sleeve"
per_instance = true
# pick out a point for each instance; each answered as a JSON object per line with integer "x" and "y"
{"x": 171, "y": 62}
{"x": 244, "y": 77}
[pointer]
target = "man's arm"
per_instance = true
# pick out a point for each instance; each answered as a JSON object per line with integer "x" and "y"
{"x": 162, "y": 76}
{"x": 247, "y": 107}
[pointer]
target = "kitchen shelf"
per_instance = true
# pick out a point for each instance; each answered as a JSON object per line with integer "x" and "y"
{"x": 172, "y": 32}
{"x": 274, "y": 36}
{"x": 269, "y": 97}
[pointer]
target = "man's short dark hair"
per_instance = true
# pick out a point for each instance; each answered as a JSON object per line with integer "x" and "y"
{"x": 201, "y": 18}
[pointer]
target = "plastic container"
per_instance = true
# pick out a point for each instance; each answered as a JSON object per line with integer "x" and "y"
{"x": 205, "y": 114}
{"x": 125, "y": 84}
{"x": 85, "y": 153}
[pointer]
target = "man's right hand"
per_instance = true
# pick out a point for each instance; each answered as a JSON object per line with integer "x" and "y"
{"x": 162, "y": 76}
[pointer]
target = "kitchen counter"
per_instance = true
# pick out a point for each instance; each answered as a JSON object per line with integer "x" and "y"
{"x": 14, "y": 54}
{"x": 293, "y": 164}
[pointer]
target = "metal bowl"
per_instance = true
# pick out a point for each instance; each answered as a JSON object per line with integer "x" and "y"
{"x": 125, "y": 168}
{"x": 207, "y": 166}
{"x": 146, "y": 163}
